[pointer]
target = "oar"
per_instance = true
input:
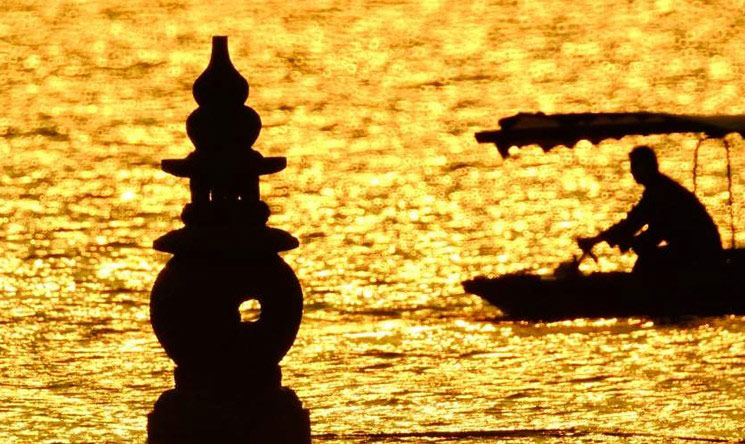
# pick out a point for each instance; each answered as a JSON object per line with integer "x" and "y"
{"x": 586, "y": 245}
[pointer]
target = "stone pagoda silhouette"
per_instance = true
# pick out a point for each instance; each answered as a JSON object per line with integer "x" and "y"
{"x": 228, "y": 378}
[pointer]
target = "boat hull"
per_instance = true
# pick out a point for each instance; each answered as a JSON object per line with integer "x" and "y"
{"x": 608, "y": 295}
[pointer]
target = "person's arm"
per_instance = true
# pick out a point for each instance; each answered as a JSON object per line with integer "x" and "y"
{"x": 622, "y": 233}
{"x": 646, "y": 240}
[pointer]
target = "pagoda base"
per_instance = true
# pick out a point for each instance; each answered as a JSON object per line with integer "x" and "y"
{"x": 191, "y": 417}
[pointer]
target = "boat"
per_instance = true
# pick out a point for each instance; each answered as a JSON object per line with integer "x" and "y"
{"x": 570, "y": 294}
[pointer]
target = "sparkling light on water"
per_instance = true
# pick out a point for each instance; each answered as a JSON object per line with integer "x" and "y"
{"x": 375, "y": 104}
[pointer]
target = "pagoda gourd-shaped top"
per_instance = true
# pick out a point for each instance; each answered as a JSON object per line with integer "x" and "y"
{"x": 224, "y": 168}
{"x": 220, "y": 84}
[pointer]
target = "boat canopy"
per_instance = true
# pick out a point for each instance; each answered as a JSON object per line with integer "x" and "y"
{"x": 550, "y": 130}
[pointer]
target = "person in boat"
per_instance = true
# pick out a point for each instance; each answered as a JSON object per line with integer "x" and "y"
{"x": 680, "y": 235}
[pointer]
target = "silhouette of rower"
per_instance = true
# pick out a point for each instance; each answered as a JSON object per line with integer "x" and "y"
{"x": 680, "y": 235}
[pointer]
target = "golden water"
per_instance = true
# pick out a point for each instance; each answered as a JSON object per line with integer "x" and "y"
{"x": 375, "y": 104}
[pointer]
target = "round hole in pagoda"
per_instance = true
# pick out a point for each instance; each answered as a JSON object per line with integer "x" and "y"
{"x": 250, "y": 310}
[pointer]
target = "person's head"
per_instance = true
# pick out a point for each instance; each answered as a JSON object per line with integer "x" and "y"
{"x": 643, "y": 164}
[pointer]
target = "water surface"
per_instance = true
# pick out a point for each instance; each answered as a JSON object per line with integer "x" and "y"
{"x": 375, "y": 104}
